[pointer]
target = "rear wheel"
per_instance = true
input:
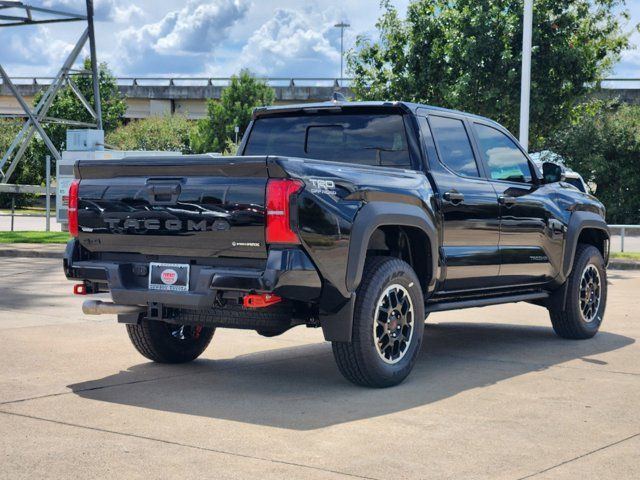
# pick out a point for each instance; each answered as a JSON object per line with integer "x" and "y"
{"x": 586, "y": 296}
{"x": 168, "y": 343}
{"x": 388, "y": 325}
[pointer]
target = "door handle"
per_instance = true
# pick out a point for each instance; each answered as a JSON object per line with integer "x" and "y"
{"x": 163, "y": 193}
{"x": 507, "y": 200}
{"x": 453, "y": 197}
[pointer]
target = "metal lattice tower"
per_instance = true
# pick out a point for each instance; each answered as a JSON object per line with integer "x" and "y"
{"x": 17, "y": 13}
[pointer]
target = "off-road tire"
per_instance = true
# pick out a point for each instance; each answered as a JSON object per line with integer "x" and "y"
{"x": 156, "y": 341}
{"x": 567, "y": 319}
{"x": 359, "y": 360}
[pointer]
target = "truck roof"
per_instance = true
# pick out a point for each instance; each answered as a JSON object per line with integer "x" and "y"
{"x": 407, "y": 106}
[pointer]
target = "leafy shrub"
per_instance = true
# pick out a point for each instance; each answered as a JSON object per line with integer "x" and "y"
{"x": 168, "y": 133}
{"x": 602, "y": 143}
{"x": 234, "y": 109}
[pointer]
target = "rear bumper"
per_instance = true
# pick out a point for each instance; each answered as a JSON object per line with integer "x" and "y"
{"x": 288, "y": 273}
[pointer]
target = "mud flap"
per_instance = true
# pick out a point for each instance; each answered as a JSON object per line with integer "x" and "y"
{"x": 558, "y": 299}
{"x": 130, "y": 318}
{"x": 337, "y": 327}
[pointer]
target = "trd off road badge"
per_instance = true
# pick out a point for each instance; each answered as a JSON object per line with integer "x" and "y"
{"x": 327, "y": 187}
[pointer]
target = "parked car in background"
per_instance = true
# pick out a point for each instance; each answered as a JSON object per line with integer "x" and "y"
{"x": 570, "y": 176}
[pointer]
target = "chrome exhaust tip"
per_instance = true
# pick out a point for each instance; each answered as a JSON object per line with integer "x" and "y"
{"x": 98, "y": 307}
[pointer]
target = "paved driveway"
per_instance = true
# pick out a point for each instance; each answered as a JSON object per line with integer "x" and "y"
{"x": 28, "y": 223}
{"x": 495, "y": 395}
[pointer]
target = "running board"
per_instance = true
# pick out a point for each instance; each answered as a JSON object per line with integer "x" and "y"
{"x": 483, "y": 302}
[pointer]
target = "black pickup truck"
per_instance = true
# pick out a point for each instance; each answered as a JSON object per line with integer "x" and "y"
{"x": 358, "y": 218}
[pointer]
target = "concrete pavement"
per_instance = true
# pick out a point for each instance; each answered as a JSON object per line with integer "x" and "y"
{"x": 494, "y": 395}
{"x": 28, "y": 223}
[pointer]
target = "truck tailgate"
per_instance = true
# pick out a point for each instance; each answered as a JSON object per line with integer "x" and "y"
{"x": 200, "y": 206}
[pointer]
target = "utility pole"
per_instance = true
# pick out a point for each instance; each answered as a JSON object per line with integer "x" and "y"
{"x": 525, "y": 82}
{"x": 94, "y": 66}
{"x": 342, "y": 26}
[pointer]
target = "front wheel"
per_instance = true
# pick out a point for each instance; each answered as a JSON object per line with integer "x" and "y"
{"x": 586, "y": 296}
{"x": 168, "y": 343}
{"x": 388, "y": 325}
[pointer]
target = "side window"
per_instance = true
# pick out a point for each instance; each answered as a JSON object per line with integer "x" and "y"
{"x": 453, "y": 145}
{"x": 504, "y": 159}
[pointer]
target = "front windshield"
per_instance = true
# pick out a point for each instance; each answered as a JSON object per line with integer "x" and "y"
{"x": 576, "y": 183}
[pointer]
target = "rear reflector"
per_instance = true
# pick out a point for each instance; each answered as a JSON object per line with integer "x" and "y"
{"x": 278, "y": 212}
{"x": 260, "y": 301}
{"x": 73, "y": 208}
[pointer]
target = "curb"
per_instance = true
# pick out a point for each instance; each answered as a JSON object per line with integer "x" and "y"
{"x": 31, "y": 253}
{"x": 620, "y": 264}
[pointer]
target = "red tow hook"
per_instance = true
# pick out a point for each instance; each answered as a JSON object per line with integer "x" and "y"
{"x": 260, "y": 301}
{"x": 79, "y": 289}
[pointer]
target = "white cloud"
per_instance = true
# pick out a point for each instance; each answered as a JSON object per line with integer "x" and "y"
{"x": 293, "y": 44}
{"x": 119, "y": 11}
{"x": 38, "y": 48}
{"x": 215, "y": 37}
{"x": 125, "y": 14}
{"x": 173, "y": 42}
{"x": 199, "y": 26}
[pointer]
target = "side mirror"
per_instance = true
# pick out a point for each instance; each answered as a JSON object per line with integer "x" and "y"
{"x": 552, "y": 172}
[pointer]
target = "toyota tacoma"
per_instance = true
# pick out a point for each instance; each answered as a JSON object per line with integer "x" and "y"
{"x": 357, "y": 218}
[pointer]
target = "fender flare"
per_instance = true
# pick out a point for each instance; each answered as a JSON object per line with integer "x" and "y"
{"x": 378, "y": 214}
{"x": 578, "y": 222}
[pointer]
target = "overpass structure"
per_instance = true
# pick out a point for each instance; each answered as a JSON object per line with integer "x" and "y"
{"x": 147, "y": 96}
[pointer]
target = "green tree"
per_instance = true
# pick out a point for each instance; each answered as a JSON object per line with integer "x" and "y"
{"x": 466, "y": 55}
{"x": 8, "y": 131}
{"x": 67, "y": 106}
{"x": 234, "y": 109}
{"x": 602, "y": 143}
{"x": 31, "y": 169}
{"x": 154, "y": 133}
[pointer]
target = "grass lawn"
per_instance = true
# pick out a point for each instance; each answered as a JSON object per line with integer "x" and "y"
{"x": 34, "y": 237}
{"x": 626, "y": 255}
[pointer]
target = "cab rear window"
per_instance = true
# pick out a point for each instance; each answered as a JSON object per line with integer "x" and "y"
{"x": 367, "y": 139}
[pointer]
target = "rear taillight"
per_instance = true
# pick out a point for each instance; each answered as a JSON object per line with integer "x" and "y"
{"x": 73, "y": 208}
{"x": 278, "y": 212}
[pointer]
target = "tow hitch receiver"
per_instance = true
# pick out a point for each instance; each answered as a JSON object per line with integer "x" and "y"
{"x": 85, "y": 288}
{"x": 261, "y": 300}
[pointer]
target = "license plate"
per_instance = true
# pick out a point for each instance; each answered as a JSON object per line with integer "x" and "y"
{"x": 169, "y": 276}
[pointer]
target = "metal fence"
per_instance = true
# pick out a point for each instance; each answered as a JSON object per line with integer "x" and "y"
{"x": 14, "y": 215}
{"x": 623, "y": 229}
{"x": 606, "y": 83}
{"x": 201, "y": 81}
{"x": 47, "y": 193}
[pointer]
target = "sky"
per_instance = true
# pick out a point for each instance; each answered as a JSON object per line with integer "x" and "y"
{"x": 214, "y": 38}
